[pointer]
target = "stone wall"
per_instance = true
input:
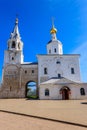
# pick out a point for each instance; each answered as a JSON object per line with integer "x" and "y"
{"x": 15, "y": 78}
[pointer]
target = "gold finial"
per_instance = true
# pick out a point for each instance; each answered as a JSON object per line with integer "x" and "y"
{"x": 53, "y": 30}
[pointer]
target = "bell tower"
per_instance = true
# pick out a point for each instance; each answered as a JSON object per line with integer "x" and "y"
{"x": 14, "y": 53}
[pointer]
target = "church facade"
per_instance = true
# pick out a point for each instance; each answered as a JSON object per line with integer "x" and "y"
{"x": 57, "y": 75}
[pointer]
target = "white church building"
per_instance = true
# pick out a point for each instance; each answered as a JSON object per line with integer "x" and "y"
{"x": 57, "y": 75}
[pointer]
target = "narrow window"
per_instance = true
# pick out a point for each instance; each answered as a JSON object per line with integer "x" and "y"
{"x": 19, "y": 45}
{"x": 12, "y": 58}
{"x": 58, "y": 62}
{"x": 49, "y": 51}
{"x": 72, "y": 71}
{"x": 59, "y": 75}
{"x": 45, "y": 70}
{"x": 32, "y": 71}
{"x": 13, "y": 44}
{"x": 46, "y": 92}
{"x": 10, "y": 88}
{"x": 55, "y": 50}
{"x": 82, "y": 91}
{"x": 25, "y": 71}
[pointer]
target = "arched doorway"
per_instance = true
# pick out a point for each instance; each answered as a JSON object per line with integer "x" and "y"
{"x": 31, "y": 90}
{"x": 65, "y": 91}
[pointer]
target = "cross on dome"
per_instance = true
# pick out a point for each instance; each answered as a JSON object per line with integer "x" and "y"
{"x": 53, "y": 29}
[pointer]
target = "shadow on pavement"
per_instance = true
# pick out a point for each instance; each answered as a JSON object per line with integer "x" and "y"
{"x": 43, "y": 118}
{"x": 84, "y": 103}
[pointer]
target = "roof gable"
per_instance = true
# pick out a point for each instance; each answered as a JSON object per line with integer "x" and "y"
{"x": 61, "y": 80}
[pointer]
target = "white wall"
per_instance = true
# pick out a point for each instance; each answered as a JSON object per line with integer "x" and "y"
{"x": 55, "y": 91}
{"x": 64, "y": 68}
{"x": 55, "y": 44}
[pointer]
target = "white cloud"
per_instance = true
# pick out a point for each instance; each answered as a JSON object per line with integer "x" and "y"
{"x": 82, "y": 50}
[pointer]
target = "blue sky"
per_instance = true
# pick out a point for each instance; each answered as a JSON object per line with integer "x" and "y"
{"x": 35, "y": 24}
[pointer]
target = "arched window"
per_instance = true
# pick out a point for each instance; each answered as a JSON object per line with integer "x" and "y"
{"x": 32, "y": 71}
{"x": 82, "y": 91}
{"x": 54, "y": 49}
{"x": 46, "y": 92}
{"x": 12, "y": 58}
{"x": 19, "y": 45}
{"x": 59, "y": 75}
{"x": 13, "y": 44}
{"x": 45, "y": 70}
{"x": 49, "y": 51}
{"x": 72, "y": 71}
{"x": 25, "y": 71}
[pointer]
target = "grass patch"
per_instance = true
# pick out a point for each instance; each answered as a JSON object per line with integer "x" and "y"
{"x": 32, "y": 96}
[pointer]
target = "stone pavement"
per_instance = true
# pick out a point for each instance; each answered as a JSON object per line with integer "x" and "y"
{"x": 17, "y": 122}
{"x": 72, "y": 111}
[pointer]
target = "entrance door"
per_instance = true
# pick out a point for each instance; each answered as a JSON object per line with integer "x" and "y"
{"x": 65, "y": 93}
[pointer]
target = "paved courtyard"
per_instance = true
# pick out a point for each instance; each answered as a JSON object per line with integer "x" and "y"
{"x": 72, "y": 111}
{"x": 16, "y": 122}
